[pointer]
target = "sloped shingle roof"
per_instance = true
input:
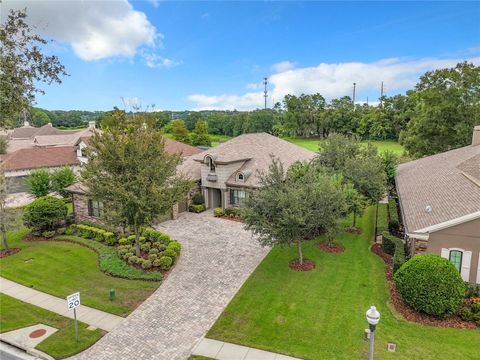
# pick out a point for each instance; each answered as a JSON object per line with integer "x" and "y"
{"x": 445, "y": 182}
{"x": 35, "y": 158}
{"x": 176, "y": 147}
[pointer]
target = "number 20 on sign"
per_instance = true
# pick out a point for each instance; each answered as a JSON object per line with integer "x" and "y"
{"x": 73, "y": 301}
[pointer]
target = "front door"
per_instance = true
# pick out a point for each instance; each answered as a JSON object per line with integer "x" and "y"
{"x": 215, "y": 198}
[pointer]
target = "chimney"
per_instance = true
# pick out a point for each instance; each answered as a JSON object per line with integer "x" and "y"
{"x": 91, "y": 125}
{"x": 476, "y": 136}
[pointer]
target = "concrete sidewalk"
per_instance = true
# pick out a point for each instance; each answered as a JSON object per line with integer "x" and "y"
{"x": 225, "y": 351}
{"x": 90, "y": 316}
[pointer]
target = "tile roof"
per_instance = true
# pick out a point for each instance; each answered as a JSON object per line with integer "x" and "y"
{"x": 40, "y": 157}
{"x": 445, "y": 182}
{"x": 254, "y": 151}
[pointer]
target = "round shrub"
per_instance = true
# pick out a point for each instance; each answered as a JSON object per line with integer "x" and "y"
{"x": 198, "y": 199}
{"x": 159, "y": 246}
{"x": 152, "y": 257}
{"x": 175, "y": 246}
{"x": 165, "y": 262}
{"x": 170, "y": 252}
{"x": 145, "y": 247}
{"x": 128, "y": 255}
{"x": 218, "y": 212}
{"x": 146, "y": 264}
{"x": 45, "y": 213}
{"x": 156, "y": 263}
{"x": 153, "y": 251}
{"x": 133, "y": 259}
{"x": 431, "y": 284}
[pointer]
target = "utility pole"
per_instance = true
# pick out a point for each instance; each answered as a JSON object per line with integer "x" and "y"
{"x": 265, "y": 92}
{"x": 353, "y": 101}
{"x": 367, "y": 100}
{"x": 381, "y": 95}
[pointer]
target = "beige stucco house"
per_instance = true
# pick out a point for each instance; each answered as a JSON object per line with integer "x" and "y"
{"x": 225, "y": 172}
{"x": 439, "y": 199}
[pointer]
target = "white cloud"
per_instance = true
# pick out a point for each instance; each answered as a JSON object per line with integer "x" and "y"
{"x": 153, "y": 60}
{"x": 283, "y": 66}
{"x": 94, "y": 29}
{"x": 332, "y": 81}
{"x": 155, "y": 3}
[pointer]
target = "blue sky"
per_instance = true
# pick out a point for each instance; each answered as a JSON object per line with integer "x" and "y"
{"x": 198, "y": 55}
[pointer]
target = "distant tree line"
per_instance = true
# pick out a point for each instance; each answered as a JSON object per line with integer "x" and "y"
{"x": 437, "y": 115}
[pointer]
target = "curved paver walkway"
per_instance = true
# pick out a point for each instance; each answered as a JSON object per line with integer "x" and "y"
{"x": 217, "y": 257}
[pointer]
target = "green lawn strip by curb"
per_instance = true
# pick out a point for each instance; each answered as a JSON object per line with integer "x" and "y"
{"x": 16, "y": 314}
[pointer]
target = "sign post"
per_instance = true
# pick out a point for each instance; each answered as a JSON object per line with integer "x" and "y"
{"x": 73, "y": 301}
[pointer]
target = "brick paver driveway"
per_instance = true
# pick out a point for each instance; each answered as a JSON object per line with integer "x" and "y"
{"x": 217, "y": 257}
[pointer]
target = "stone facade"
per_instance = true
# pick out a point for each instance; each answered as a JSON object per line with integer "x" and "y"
{"x": 80, "y": 210}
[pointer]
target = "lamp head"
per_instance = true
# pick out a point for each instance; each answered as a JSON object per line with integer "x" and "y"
{"x": 373, "y": 316}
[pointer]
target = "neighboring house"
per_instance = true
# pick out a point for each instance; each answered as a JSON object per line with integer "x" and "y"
{"x": 225, "y": 172}
{"x": 91, "y": 210}
{"x": 19, "y": 164}
{"x": 32, "y": 148}
{"x": 439, "y": 199}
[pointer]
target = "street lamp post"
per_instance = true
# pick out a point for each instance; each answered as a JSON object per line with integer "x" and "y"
{"x": 373, "y": 317}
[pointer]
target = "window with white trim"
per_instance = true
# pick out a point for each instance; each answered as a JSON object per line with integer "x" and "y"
{"x": 455, "y": 258}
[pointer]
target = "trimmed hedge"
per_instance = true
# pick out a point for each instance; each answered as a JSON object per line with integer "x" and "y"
{"x": 393, "y": 222}
{"x": 395, "y": 247}
{"x": 431, "y": 284}
{"x": 232, "y": 211}
{"x": 382, "y": 219}
{"x": 109, "y": 261}
{"x": 91, "y": 232}
{"x": 197, "y": 208}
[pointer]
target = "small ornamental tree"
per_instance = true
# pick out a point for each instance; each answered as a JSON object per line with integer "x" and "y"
{"x": 431, "y": 284}
{"x": 293, "y": 206}
{"x": 45, "y": 213}
{"x": 356, "y": 202}
{"x": 38, "y": 183}
{"x": 132, "y": 174}
{"x": 61, "y": 179}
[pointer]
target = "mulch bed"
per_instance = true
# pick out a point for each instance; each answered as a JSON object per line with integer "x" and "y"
{"x": 353, "y": 230}
{"x": 405, "y": 310}
{"x": 5, "y": 253}
{"x": 306, "y": 266}
{"x": 31, "y": 237}
{"x": 333, "y": 249}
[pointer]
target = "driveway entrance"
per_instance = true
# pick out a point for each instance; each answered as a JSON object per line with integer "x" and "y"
{"x": 217, "y": 257}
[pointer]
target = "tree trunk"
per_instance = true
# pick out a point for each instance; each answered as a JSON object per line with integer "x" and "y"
{"x": 4, "y": 237}
{"x": 137, "y": 241}
{"x": 300, "y": 254}
{"x": 354, "y": 217}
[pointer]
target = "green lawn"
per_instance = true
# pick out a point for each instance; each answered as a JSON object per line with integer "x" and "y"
{"x": 312, "y": 144}
{"x": 61, "y": 268}
{"x": 16, "y": 314}
{"x": 321, "y": 314}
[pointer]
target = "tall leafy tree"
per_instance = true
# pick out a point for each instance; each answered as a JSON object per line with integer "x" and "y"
{"x": 23, "y": 65}
{"x": 447, "y": 108}
{"x": 180, "y": 132}
{"x": 200, "y": 135}
{"x": 336, "y": 149}
{"x": 293, "y": 206}
{"x": 61, "y": 179}
{"x": 130, "y": 171}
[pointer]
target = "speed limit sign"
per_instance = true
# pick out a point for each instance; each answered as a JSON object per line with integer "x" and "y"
{"x": 73, "y": 301}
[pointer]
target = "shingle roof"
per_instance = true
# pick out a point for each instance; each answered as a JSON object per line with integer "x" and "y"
{"x": 444, "y": 182}
{"x": 34, "y": 158}
{"x": 28, "y": 131}
{"x": 61, "y": 139}
{"x": 176, "y": 147}
{"x": 254, "y": 151}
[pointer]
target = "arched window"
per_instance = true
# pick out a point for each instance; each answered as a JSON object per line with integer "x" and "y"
{"x": 240, "y": 177}
{"x": 211, "y": 164}
{"x": 455, "y": 258}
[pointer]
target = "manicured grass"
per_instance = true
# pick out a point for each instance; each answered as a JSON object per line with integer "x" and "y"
{"x": 16, "y": 314}
{"x": 320, "y": 314}
{"x": 218, "y": 139}
{"x": 199, "y": 357}
{"x": 61, "y": 268}
{"x": 312, "y": 144}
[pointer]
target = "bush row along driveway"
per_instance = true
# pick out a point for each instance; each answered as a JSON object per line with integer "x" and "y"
{"x": 217, "y": 257}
